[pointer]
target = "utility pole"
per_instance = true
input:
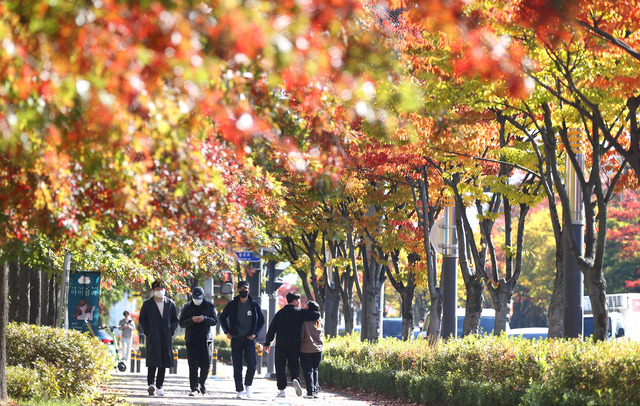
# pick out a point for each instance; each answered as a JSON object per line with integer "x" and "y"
{"x": 573, "y": 278}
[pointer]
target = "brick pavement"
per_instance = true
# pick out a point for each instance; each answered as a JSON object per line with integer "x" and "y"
{"x": 220, "y": 390}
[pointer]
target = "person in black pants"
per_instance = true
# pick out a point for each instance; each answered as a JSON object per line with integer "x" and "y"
{"x": 159, "y": 320}
{"x": 197, "y": 317}
{"x": 311, "y": 351}
{"x": 242, "y": 321}
{"x": 287, "y": 324}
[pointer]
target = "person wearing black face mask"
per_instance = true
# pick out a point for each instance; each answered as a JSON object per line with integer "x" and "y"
{"x": 197, "y": 317}
{"x": 242, "y": 321}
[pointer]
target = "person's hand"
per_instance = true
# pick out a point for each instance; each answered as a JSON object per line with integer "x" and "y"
{"x": 229, "y": 336}
{"x": 266, "y": 348}
{"x": 251, "y": 337}
{"x": 197, "y": 319}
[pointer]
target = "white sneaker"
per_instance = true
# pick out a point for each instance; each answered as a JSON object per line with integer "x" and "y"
{"x": 152, "y": 390}
{"x": 248, "y": 391}
{"x": 194, "y": 393}
{"x": 281, "y": 394}
{"x": 296, "y": 385}
{"x": 159, "y": 392}
{"x": 240, "y": 394}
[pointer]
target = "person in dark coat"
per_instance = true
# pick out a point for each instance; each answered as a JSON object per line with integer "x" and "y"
{"x": 242, "y": 320}
{"x": 287, "y": 324}
{"x": 197, "y": 317}
{"x": 159, "y": 320}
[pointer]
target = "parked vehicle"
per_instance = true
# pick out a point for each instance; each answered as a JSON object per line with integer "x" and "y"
{"x": 627, "y": 306}
{"x": 530, "y": 333}
{"x": 487, "y": 323}
{"x": 617, "y": 327}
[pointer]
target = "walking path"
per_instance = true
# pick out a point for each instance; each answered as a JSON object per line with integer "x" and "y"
{"x": 220, "y": 390}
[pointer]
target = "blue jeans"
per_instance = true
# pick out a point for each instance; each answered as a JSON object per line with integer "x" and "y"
{"x": 243, "y": 348}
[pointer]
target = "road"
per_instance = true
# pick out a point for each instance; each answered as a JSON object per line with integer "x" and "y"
{"x": 220, "y": 390}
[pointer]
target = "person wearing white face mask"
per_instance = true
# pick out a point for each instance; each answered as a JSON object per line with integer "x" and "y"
{"x": 159, "y": 320}
{"x": 197, "y": 317}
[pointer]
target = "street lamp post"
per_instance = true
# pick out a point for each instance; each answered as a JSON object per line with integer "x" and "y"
{"x": 450, "y": 271}
{"x": 573, "y": 278}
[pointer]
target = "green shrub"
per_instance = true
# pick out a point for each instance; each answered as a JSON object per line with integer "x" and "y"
{"x": 488, "y": 370}
{"x": 221, "y": 341}
{"x": 68, "y": 363}
{"x": 179, "y": 341}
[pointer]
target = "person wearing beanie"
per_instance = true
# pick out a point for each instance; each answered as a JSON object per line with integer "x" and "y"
{"x": 159, "y": 321}
{"x": 242, "y": 320}
{"x": 197, "y": 317}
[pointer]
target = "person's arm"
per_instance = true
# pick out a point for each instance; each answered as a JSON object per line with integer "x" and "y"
{"x": 185, "y": 320}
{"x": 308, "y": 315}
{"x": 212, "y": 319}
{"x": 223, "y": 318}
{"x": 271, "y": 332}
{"x": 144, "y": 318}
{"x": 174, "y": 318}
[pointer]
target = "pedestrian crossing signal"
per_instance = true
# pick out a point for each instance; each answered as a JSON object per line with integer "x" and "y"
{"x": 226, "y": 284}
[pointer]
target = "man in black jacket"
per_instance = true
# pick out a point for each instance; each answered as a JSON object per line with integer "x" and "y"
{"x": 287, "y": 324}
{"x": 159, "y": 320}
{"x": 197, "y": 317}
{"x": 242, "y": 321}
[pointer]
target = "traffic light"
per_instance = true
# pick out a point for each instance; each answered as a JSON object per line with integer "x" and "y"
{"x": 226, "y": 283}
{"x": 272, "y": 285}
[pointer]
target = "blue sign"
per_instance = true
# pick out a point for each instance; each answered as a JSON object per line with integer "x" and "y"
{"x": 84, "y": 300}
{"x": 247, "y": 256}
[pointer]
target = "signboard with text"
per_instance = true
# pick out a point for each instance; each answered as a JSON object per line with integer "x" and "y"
{"x": 247, "y": 256}
{"x": 84, "y": 300}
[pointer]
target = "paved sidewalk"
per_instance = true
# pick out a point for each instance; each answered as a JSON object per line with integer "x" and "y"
{"x": 220, "y": 390}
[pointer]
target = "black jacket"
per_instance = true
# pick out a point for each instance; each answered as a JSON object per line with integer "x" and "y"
{"x": 287, "y": 323}
{"x": 229, "y": 314}
{"x": 198, "y": 333}
{"x": 159, "y": 331}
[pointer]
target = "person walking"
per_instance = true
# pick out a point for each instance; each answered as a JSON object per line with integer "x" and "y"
{"x": 159, "y": 320}
{"x": 242, "y": 320}
{"x": 287, "y": 325}
{"x": 311, "y": 347}
{"x": 127, "y": 326}
{"x": 197, "y": 317}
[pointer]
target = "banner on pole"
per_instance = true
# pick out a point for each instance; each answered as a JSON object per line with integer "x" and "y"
{"x": 84, "y": 300}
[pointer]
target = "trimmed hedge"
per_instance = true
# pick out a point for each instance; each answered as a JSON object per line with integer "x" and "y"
{"x": 487, "y": 370}
{"x": 45, "y": 362}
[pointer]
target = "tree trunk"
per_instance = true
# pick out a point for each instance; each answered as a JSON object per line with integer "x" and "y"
{"x": 52, "y": 311}
{"x": 4, "y": 320}
{"x": 502, "y": 297}
{"x": 35, "y": 317}
{"x": 346, "y": 295}
{"x": 596, "y": 287}
{"x": 435, "y": 317}
{"x": 14, "y": 290}
{"x": 331, "y": 311}
{"x": 555, "y": 314}
{"x": 406, "y": 306}
{"x": 473, "y": 308}
{"x": 24, "y": 308}
{"x": 372, "y": 285}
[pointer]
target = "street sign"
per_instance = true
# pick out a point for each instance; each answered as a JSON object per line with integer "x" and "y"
{"x": 247, "y": 256}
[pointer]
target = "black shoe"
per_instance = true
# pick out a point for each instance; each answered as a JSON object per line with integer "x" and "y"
{"x": 203, "y": 390}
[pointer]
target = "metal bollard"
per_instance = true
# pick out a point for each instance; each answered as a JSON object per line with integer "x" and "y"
{"x": 133, "y": 361}
{"x": 259, "y": 356}
{"x": 214, "y": 362}
{"x": 175, "y": 361}
{"x": 138, "y": 359}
